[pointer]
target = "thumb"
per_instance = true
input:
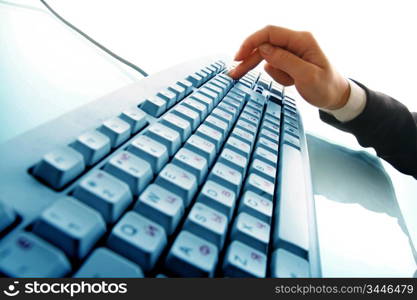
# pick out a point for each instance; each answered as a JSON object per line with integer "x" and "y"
{"x": 286, "y": 61}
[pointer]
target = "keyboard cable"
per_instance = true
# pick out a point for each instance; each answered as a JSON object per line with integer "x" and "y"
{"x": 111, "y": 53}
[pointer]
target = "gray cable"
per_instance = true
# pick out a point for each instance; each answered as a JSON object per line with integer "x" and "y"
{"x": 121, "y": 59}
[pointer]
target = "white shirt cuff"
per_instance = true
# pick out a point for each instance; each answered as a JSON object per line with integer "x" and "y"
{"x": 353, "y": 107}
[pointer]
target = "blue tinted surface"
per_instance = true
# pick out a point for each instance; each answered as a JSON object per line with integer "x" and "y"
{"x": 47, "y": 70}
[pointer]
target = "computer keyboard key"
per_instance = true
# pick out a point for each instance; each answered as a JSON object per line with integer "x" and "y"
{"x": 291, "y": 122}
{"x": 117, "y": 130}
{"x": 174, "y": 122}
{"x": 287, "y": 265}
{"x": 226, "y": 176}
{"x": 233, "y": 160}
{"x": 178, "y": 181}
{"x": 224, "y": 116}
{"x": 260, "y": 186}
{"x": 187, "y": 85}
{"x": 138, "y": 239}
{"x": 202, "y": 147}
{"x": 246, "y": 126}
{"x": 23, "y": 254}
{"x": 266, "y": 156}
{"x": 210, "y": 134}
{"x": 150, "y": 150}
{"x": 291, "y": 213}
{"x": 291, "y": 130}
{"x": 187, "y": 114}
{"x": 134, "y": 171}
{"x": 268, "y": 145}
{"x": 161, "y": 206}
{"x": 217, "y": 124}
{"x": 238, "y": 146}
{"x": 195, "y": 105}
{"x": 274, "y": 127}
{"x": 251, "y": 231}
{"x": 230, "y": 104}
{"x": 105, "y": 193}
{"x": 218, "y": 197}
{"x": 70, "y": 225}
{"x": 273, "y": 109}
{"x": 244, "y": 261}
{"x": 256, "y": 206}
{"x": 216, "y": 89}
{"x": 168, "y": 137}
{"x": 93, "y": 146}
{"x": 207, "y": 223}
{"x": 104, "y": 263}
{"x": 155, "y": 106}
{"x": 135, "y": 117}
{"x": 195, "y": 79}
{"x": 192, "y": 162}
{"x": 291, "y": 140}
{"x": 243, "y": 136}
{"x": 228, "y": 108}
{"x": 205, "y": 100}
{"x": 179, "y": 90}
{"x": 7, "y": 216}
{"x": 263, "y": 169}
{"x": 267, "y": 134}
{"x": 250, "y": 119}
{"x": 255, "y": 105}
{"x": 169, "y": 96}
{"x": 192, "y": 256}
{"x": 209, "y": 93}
{"x": 60, "y": 167}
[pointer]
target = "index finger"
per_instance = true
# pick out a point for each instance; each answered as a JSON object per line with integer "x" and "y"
{"x": 278, "y": 36}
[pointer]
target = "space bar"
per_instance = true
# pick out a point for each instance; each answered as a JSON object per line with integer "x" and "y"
{"x": 291, "y": 219}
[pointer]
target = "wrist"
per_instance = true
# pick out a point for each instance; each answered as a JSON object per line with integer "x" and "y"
{"x": 341, "y": 95}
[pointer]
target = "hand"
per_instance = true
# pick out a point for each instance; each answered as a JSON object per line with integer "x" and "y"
{"x": 294, "y": 57}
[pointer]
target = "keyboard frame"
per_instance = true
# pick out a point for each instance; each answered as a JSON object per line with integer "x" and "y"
{"x": 29, "y": 197}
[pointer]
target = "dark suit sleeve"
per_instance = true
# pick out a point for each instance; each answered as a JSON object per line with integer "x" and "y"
{"x": 386, "y": 125}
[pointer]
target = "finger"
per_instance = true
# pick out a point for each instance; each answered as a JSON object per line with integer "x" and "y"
{"x": 245, "y": 66}
{"x": 275, "y": 35}
{"x": 286, "y": 61}
{"x": 279, "y": 75}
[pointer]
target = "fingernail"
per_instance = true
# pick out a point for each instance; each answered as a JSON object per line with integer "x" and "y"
{"x": 266, "y": 48}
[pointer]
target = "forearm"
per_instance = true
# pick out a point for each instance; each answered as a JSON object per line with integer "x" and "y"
{"x": 384, "y": 124}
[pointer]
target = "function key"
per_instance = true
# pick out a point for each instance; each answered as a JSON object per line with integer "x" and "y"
{"x": 23, "y": 254}
{"x": 60, "y": 167}
{"x": 117, "y": 130}
{"x": 103, "y": 263}
{"x": 93, "y": 145}
{"x": 70, "y": 225}
{"x": 191, "y": 256}
{"x": 135, "y": 117}
{"x": 139, "y": 239}
{"x": 105, "y": 193}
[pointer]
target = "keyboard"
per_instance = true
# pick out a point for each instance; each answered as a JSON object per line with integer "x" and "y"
{"x": 186, "y": 173}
